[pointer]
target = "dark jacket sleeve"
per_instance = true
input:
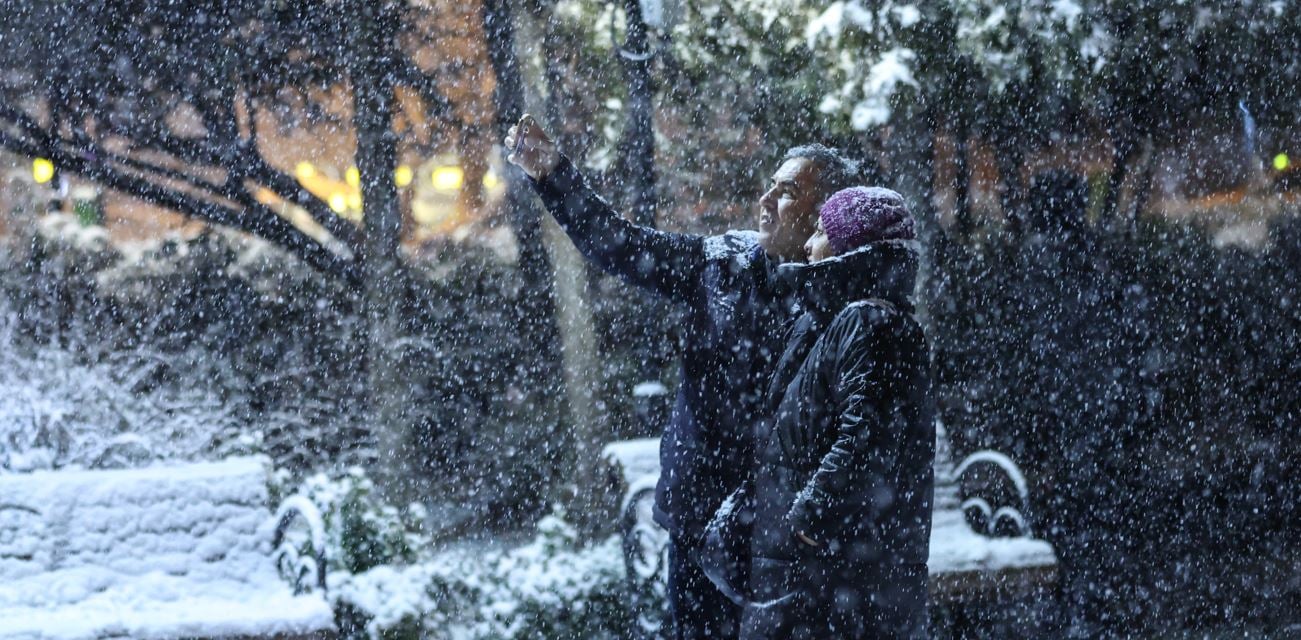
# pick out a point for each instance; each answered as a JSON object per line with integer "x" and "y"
{"x": 837, "y": 486}
{"x": 668, "y": 263}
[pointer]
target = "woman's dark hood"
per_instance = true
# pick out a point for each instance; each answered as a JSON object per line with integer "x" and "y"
{"x": 886, "y": 269}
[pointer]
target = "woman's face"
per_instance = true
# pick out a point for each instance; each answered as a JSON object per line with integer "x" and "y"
{"x": 817, "y": 247}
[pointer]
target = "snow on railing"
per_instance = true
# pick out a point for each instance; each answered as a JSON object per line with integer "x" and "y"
{"x": 1012, "y": 514}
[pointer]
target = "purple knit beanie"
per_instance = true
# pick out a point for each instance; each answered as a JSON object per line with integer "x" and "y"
{"x": 856, "y": 216}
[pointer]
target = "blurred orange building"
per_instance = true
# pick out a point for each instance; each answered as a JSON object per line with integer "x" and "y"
{"x": 445, "y": 177}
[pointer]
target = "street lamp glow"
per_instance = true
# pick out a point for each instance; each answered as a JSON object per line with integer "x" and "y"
{"x": 305, "y": 171}
{"x": 490, "y": 180}
{"x": 403, "y": 175}
{"x": 338, "y": 202}
{"x": 352, "y": 176}
{"x": 42, "y": 170}
{"x": 1282, "y": 162}
{"x": 448, "y": 178}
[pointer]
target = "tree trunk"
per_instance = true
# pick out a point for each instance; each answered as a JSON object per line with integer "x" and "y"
{"x": 1122, "y": 150}
{"x": 640, "y": 146}
{"x": 1143, "y": 184}
{"x": 910, "y": 152}
{"x": 537, "y": 305}
{"x": 590, "y": 426}
{"x": 1011, "y": 159}
{"x": 537, "y": 315}
{"x": 373, "y": 99}
{"x": 640, "y": 132}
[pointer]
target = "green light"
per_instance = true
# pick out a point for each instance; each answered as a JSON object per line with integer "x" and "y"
{"x": 1282, "y": 162}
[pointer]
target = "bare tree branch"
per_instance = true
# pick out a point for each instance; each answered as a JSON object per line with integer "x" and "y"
{"x": 259, "y": 220}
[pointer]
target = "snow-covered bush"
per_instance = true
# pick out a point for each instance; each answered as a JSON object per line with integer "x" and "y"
{"x": 118, "y": 356}
{"x": 552, "y": 587}
{"x": 555, "y": 588}
{"x": 386, "y": 581}
{"x": 361, "y": 531}
{"x": 163, "y": 331}
{"x": 73, "y": 401}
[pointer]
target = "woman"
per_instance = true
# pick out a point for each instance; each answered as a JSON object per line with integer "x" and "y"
{"x": 842, "y": 482}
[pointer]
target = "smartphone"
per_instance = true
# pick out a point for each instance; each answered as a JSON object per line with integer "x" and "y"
{"x": 525, "y": 121}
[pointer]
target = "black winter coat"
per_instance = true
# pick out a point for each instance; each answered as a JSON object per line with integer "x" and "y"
{"x": 845, "y": 457}
{"x": 736, "y": 311}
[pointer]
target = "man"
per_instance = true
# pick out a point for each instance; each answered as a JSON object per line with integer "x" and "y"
{"x": 736, "y": 317}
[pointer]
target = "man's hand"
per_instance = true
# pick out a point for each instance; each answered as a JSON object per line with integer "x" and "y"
{"x": 531, "y": 149}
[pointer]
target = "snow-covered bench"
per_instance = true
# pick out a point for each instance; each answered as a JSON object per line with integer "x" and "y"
{"x": 161, "y": 552}
{"x": 979, "y": 547}
{"x": 1002, "y": 558}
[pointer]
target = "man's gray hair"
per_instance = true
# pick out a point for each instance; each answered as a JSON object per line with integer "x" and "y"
{"x": 836, "y": 171}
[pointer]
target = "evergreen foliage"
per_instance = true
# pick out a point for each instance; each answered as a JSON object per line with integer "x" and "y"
{"x": 1145, "y": 382}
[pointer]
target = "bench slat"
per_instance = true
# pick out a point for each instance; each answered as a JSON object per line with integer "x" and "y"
{"x": 162, "y": 552}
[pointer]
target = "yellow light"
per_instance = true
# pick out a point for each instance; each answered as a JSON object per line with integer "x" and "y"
{"x": 42, "y": 170}
{"x": 354, "y": 200}
{"x": 490, "y": 180}
{"x": 305, "y": 171}
{"x": 352, "y": 176}
{"x": 1282, "y": 162}
{"x": 448, "y": 178}
{"x": 338, "y": 202}
{"x": 403, "y": 175}
{"x": 266, "y": 196}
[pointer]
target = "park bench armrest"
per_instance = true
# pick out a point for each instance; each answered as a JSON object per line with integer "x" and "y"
{"x": 288, "y": 553}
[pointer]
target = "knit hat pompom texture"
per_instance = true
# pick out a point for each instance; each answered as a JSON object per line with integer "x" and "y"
{"x": 856, "y": 216}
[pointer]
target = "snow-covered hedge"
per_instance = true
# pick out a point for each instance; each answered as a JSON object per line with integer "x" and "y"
{"x": 115, "y": 355}
{"x": 551, "y": 587}
{"x": 97, "y": 408}
{"x": 386, "y": 582}
{"x": 361, "y": 531}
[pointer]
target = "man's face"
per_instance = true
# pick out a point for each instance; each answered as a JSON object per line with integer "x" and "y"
{"x": 788, "y": 211}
